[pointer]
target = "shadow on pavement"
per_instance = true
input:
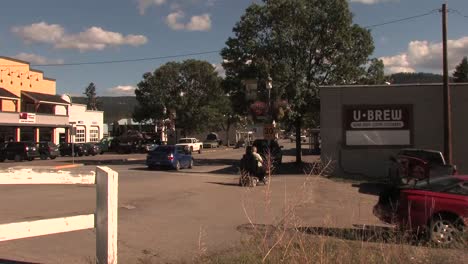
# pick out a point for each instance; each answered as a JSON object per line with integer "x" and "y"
{"x": 6, "y": 261}
{"x": 107, "y": 161}
{"x": 373, "y": 188}
{"x": 215, "y": 162}
{"x": 225, "y": 183}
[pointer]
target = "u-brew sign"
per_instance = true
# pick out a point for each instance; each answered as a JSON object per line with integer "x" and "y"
{"x": 377, "y": 125}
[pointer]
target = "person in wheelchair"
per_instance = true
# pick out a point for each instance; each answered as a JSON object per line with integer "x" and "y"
{"x": 252, "y": 163}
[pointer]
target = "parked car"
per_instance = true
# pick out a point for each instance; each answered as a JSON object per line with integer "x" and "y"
{"x": 176, "y": 157}
{"x": 2, "y": 151}
{"x": 192, "y": 144}
{"x": 48, "y": 150}
{"x": 92, "y": 149}
{"x": 272, "y": 148}
{"x": 212, "y": 141}
{"x": 292, "y": 137}
{"x": 66, "y": 149}
{"x": 19, "y": 151}
{"x": 437, "y": 208}
{"x": 105, "y": 144}
{"x": 412, "y": 165}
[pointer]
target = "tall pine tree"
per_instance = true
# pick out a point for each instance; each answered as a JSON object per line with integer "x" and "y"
{"x": 90, "y": 93}
{"x": 461, "y": 72}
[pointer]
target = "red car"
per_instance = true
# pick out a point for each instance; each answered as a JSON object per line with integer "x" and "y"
{"x": 438, "y": 208}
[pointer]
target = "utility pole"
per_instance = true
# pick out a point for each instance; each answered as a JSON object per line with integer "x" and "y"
{"x": 446, "y": 90}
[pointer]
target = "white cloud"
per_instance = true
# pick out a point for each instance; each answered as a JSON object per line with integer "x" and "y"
{"x": 371, "y": 2}
{"x": 94, "y": 38}
{"x": 36, "y": 59}
{"x": 427, "y": 56}
{"x": 219, "y": 69}
{"x": 144, "y": 4}
{"x": 172, "y": 20}
{"x": 200, "y": 23}
{"x": 121, "y": 90}
{"x": 40, "y": 32}
{"x": 196, "y": 23}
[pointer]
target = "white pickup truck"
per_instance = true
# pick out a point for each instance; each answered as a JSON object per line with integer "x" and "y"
{"x": 193, "y": 144}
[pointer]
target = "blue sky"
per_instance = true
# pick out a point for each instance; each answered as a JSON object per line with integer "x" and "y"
{"x": 62, "y": 32}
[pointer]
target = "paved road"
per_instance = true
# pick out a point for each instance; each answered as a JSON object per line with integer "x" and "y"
{"x": 163, "y": 213}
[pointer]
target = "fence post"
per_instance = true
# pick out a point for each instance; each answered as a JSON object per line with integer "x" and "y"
{"x": 107, "y": 182}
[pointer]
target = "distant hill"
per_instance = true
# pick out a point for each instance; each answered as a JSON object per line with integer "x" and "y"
{"x": 114, "y": 108}
{"x": 420, "y": 77}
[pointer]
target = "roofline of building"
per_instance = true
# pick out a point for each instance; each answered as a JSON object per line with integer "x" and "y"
{"x": 34, "y": 70}
{"x": 49, "y": 79}
{"x": 13, "y": 59}
{"x": 87, "y": 109}
{"x": 390, "y": 85}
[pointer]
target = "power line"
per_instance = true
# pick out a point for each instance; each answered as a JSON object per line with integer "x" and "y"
{"x": 403, "y": 19}
{"x": 128, "y": 60}
{"x": 457, "y": 12}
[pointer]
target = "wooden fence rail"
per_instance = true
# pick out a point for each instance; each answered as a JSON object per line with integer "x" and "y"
{"x": 104, "y": 219}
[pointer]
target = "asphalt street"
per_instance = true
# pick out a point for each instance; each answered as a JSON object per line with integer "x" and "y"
{"x": 166, "y": 215}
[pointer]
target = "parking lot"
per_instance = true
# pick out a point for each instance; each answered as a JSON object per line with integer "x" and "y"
{"x": 164, "y": 214}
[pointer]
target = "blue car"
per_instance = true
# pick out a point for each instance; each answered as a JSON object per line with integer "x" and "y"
{"x": 176, "y": 157}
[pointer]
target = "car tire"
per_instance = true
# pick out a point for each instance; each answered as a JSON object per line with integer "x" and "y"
{"x": 445, "y": 230}
{"x": 53, "y": 157}
{"x": 177, "y": 166}
{"x": 80, "y": 154}
{"x": 18, "y": 158}
{"x": 31, "y": 158}
{"x": 151, "y": 167}
{"x": 43, "y": 156}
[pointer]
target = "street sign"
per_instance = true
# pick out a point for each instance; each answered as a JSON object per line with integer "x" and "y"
{"x": 269, "y": 132}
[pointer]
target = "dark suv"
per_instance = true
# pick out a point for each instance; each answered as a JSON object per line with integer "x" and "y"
{"x": 78, "y": 149}
{"x": 265, "y": 147}
{"x": 48, "y": 150}
{"x": 19, "y": 151}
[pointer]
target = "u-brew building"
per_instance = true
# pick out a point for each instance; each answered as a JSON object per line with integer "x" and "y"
{"x": 30, "y": 109}
{"x": 362, "y": 126}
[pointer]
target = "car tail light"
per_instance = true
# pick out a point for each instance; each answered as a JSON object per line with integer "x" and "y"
{"x": 170, "y": 157}
{"x": 26, "y": 148}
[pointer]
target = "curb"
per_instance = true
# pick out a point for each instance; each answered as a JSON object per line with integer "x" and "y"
{"x": 68, "y": 166}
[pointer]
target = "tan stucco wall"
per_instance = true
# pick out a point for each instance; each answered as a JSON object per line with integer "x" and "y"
{"x": 427, "y": 126}
{"x": 18, "y": 81}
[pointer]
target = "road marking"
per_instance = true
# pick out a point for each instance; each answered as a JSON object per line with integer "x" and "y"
{"x": 68, "y": 166}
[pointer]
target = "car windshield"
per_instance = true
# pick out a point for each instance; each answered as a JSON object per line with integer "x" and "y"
{"x": 185, "y": 140}
{"x": 431, "y": 157}
{"x": 211, "y": 137}
{"x": 438, "y": 184}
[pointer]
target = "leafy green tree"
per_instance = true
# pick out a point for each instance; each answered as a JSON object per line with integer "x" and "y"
{"x": 301, "y": 45}
{"x": 374, "y": 73}
{"x": 189, "y": 91}
{"x": 461, "y": 72}
{"x": 91, "y": 100}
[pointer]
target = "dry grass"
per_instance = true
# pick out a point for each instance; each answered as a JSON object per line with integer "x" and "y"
{"x": 287, "y": 240}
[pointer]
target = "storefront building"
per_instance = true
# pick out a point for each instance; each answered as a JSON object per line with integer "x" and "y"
{"x": 29, "y": 104}
{"x": 88, "y": 124}
{"x": 362, "y": 126}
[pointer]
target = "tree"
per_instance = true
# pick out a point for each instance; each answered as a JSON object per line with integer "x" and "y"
{"x": 374, "y": 73}
{"x": 461, "y": 71}
{"x": 91, "y": 101}
{"x": 189, "y": 91}
{"x": 301, "y": 45}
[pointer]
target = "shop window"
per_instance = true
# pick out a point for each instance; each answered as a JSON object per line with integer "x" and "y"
{"x": 80, "y": 134}
{"x": 94, "y": 134}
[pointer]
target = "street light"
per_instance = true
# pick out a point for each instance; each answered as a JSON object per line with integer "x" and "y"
{"x": 269, "y": 86}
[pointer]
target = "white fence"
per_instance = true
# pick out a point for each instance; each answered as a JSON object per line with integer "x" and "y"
{"x": 104, "y": 219}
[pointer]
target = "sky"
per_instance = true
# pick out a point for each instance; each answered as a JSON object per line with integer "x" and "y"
{"x": 62, "y": 32}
